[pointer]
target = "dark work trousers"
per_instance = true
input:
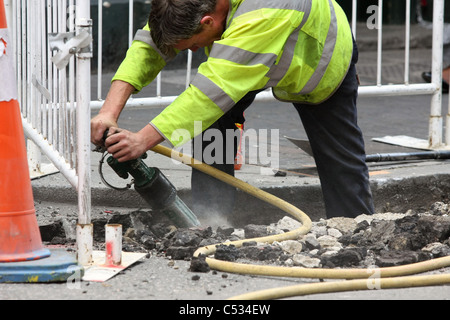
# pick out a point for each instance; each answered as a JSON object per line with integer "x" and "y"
{"x": 338, "y": 148}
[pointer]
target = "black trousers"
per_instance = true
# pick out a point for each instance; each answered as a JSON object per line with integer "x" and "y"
{"x": 338, "y": 148}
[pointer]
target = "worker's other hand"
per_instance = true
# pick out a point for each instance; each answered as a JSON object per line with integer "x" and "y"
{"x": 99, "y": 124}
{"x": 125, "y": 145}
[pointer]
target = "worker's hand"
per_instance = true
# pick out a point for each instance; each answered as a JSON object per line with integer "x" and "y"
{"x": 99, "y": 124}
{"x": 125, "y": 145}
{"x": 118, "y": 95}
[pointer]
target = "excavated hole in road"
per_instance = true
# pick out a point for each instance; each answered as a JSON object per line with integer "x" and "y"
{"x": 381, "y": 240}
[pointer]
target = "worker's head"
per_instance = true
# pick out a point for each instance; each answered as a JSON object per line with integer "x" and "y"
{"x": 185, "y": 24}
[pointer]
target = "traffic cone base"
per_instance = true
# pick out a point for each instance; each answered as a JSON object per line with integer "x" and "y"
{"x": 59, "y": 267}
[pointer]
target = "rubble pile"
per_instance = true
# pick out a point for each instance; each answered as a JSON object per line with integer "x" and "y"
{"x": 381, "y": 240}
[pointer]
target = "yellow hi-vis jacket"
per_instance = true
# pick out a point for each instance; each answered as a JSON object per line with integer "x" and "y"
{"x": 300, "y": 48}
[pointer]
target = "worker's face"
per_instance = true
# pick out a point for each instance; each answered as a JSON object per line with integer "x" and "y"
{"x": 211, "y": 31}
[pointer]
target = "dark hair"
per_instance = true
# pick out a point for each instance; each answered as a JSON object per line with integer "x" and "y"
{"x": 173, "y": 20}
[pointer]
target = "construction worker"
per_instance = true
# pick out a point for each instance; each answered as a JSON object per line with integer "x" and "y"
{"x": 302, "y": 49}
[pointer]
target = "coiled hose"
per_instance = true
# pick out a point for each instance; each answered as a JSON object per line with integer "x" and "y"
{"x": 356, "y": 279}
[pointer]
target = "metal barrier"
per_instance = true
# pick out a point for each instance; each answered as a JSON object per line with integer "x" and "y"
{"x": 435, "y": 136}
{"x": 52, "y": 44}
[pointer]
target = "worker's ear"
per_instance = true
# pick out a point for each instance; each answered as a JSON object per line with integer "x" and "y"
{"x": 207, "y": 21}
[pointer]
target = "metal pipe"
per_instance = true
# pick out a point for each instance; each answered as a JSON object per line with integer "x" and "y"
{"x": 59, "y": 161}
{"x": 33, "y": 78}
{"x": 55, "y": 86}
{"x": 158, "y": 85}
{"x": 404, "y": 156}
{"x": 397, "y": 90}
{"x": 130, "y": 22}
{"x": 24, "y": 60}
{"x": 447, "y": 120}
{"x": 354, "y": 17}
{"x": 188, "y": 68}
{"x": 267, "y": 96}
{"x": 44, "y": 83}
{"x": 85, "y": 241}
{"x": 379, "y": 157}
{"x": 380, "y": 41}
{"x": 407, "y": 39}
{"x": 447, "y": 123}
{"x": 62, "y": 98}
{"x": 435, "y": 122}
{"x": 71, "y": 112}
{"x": 100, "y": 50}
{"x": 113, "y": 244}
{"x": 83, "y": 81}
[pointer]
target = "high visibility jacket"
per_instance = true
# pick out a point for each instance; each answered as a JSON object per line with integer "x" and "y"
{"x": 300, "y": 48}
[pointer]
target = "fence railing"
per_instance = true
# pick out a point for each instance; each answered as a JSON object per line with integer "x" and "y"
{"x": 52, "y": 42}
{"x": 436, "y": 136}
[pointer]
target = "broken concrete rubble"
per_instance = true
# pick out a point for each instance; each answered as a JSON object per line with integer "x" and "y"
{"x": 382, "y": 240}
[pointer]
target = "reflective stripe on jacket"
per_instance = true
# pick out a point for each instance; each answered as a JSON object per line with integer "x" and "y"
{"x": 299, "y": 48}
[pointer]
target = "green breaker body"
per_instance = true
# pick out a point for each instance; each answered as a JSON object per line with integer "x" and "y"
{"x": 154, "y": 187}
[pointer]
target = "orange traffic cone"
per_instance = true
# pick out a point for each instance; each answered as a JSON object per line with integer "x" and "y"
{"x": 20, "y": 239}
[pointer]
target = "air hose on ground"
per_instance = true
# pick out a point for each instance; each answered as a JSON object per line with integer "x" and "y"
{"x": 355, "y": 279}
{"x": 405, "y": 156}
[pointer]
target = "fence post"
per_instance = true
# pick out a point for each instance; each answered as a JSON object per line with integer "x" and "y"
{"x": 83, "y": 79}
{"x": 435, "y": 128}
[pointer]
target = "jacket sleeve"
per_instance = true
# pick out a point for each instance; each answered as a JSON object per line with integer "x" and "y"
{"x": 143, "y": 61}
{"x": 190, "y": 114}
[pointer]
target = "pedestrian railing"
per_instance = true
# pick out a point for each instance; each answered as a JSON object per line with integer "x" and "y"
{"x": 52, "y": 44}
{"x": 435, "y": 139}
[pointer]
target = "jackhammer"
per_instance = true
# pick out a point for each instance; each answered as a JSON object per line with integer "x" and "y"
{"x": 152, "y": 185}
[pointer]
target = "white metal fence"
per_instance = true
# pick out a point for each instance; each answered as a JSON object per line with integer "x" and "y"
{"x": 52, "y": 44}
{"x": 53, "y": 56}
{"x": 43, "y": 89}
{"x": 436, "y": 138}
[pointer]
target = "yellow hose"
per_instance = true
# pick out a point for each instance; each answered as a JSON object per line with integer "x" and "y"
{"x": 379, "y": 278}
{"x": 349, "y": 285}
